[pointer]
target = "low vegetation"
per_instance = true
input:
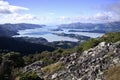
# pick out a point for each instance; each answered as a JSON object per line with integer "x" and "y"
{"x": 52, "y": 68}
{"x": 29, "y": 76}
{"x": 48, "y": 57}
{"x": 109, "y": 37}
{"x": 113, "y": 73}
{"x": 10, "y": 65}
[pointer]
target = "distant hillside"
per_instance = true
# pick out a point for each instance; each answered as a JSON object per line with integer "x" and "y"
{"x": 21, "y": 46}
{"x": 6, "y": 32}
{"x": 76, "y": 36}
{"x": 39, "y": 40}
{"x": 11, "y": 29}
{"x": 103, "y": 27}
{"x": 63, "y": 44}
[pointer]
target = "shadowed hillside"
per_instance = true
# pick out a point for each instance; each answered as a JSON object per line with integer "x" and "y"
{"x": 21, "y": 46}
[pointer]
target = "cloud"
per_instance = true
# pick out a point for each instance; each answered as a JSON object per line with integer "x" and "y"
{"x": 111, "y": 14}
{"x": 24, "y": 17}
{"x": 103, "y": 17}
{"x": 10, "y": 14}
{"x": 115, "y": 7}
{"x": 96, "y": 18}
{"x": 6, "y": 8}
{"x": 18, "y": 18}
{"x": 51, "y": 13}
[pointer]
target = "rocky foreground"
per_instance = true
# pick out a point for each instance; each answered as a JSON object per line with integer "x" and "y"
{"x": 89, "y": 65}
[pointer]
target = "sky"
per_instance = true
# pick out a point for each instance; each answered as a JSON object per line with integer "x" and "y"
{"x": 59, "y": 11}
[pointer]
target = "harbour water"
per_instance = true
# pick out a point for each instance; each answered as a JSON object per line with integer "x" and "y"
{"x": 47, "y": 33}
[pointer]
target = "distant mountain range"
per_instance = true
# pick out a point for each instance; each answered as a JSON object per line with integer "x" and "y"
{"x": 103, "y": 27}
{"x": 11, "y": 29}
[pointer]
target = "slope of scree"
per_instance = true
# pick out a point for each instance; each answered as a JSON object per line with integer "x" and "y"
{"x": 89, "y": 65}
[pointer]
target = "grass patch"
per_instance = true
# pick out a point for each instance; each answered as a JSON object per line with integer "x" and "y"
{"x": 17, "y": 78}
{"x": 113, "y": 73}
{"x": 52, "y": 68}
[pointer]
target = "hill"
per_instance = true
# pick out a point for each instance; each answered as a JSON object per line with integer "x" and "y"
{"x": 95, "y": 59}
{"x": 96, "y": 62}
{"x": 23, "y": 47}
{"x": 89, "y": 65}
{"x": 11, "y": 29}
{"x": 90, "y": 27}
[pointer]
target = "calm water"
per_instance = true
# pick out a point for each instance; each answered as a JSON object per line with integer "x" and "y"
{"x": 46, "y": 33}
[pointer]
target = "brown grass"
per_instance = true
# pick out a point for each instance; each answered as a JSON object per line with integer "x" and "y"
{"x": 113, "y": 73}
{"x": 52, "y": 68}
{"x": 17, "y": 78}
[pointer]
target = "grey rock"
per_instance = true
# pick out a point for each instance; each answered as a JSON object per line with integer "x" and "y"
{"x": 89, "y": 65}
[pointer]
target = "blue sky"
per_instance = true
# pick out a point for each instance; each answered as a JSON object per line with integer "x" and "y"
{"x": 59, "y": 11}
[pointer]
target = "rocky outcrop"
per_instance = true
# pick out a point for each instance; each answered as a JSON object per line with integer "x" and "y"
{"x": 36, "y": 66}
{"x": 89, "y": 65}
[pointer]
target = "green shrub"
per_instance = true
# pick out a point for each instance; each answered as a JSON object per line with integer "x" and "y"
{"x": 89, "y": 44}
{"x": 86, "y": 45}
{"x": 29, "y": 76}
{"x": 111, "y": 37}
{"x": 15, "y": 57}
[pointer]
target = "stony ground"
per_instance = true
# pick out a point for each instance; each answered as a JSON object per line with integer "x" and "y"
{"x": 89, "y": 65}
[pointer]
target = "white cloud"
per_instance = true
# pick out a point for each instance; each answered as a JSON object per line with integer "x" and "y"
{"x": 18, "y": 18}
{"x": 28, "y": 18}
{"x": 110, "y": 15}
{"x": 51, "y": 13}
{"x": 10, "y": 14}
{"x": 115, "y": 7}
{"x": 96, "y": 18}
{"x": 24, "y": 17}
{"x": 6, "y": 8}
{"x": 103, "y": 17}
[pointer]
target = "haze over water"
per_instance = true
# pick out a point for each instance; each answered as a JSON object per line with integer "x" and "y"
{"x": 46, "y": 33}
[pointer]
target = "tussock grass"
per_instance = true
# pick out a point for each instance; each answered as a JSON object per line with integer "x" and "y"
{"x": 52, "y": 68}
{"x": 113, "y": 73}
